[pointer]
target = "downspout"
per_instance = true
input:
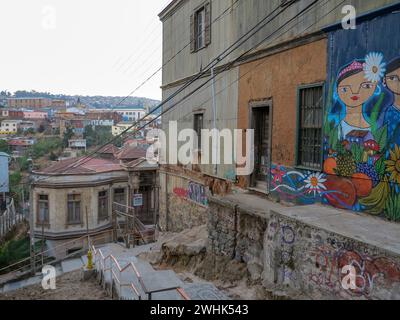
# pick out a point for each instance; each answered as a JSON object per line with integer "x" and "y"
{"x": 215, "y": 136}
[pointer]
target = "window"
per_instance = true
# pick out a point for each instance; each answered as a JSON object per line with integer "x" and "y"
{"x": 74, "y": 208}
{"x": 199, "y": 20}
{"x": 103, "y": 205}
{"x": 119, "y": 196}
{"x": 200, "y": 28}
{"x": 43, "y": 209}
{"x": 309, "y": 150}
{"x": 197, "y": 127}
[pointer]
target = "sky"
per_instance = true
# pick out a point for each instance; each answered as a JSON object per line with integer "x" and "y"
{"x": 82, "y": 47}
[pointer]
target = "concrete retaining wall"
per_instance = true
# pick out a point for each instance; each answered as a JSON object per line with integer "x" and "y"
{"x": 302, "y": 250}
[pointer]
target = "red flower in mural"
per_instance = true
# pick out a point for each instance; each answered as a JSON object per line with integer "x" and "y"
{"x": 278, "y": 174}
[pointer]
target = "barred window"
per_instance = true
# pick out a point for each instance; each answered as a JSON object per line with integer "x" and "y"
{"x": 309, "y": 151}
{"x": 74, "y": 208}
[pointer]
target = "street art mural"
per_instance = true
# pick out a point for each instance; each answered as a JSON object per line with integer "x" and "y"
{"x": 361, "y": 169}
{"x": 361, "y": 133}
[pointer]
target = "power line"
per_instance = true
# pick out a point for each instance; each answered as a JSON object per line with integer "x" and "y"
{"x": 176, "y": 54}
{"x": 184, "y": 98}
{"x": 212, "y": 64}
{"x": 215, "y": 61}
{"x": 257, "y": 65}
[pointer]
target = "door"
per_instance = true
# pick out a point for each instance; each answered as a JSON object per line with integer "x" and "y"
{"x": 262, "y": 147}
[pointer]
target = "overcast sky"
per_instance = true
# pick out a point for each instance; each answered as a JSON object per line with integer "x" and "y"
{"x": 84, "y": 47}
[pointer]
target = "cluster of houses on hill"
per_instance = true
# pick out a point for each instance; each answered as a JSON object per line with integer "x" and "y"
{"x": 55, "y": 116}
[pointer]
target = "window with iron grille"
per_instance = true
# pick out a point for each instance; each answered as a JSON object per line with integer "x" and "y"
{"x": 309, "y": 151}
{"x": 74, "y": 209}
{"x": 103, "y": 205}
{"x": 43, "y": 209}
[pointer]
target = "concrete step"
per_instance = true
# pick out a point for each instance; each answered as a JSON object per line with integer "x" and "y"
{"x": 204, "y": 291}
{"x": 72, "y": 265}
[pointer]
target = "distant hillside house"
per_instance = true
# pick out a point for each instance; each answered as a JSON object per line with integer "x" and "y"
{"x": 35, "y": 103}
{"x": 131, "y": 113}
{"x": 119, "y": 128}
{"x": 9, "y": 126}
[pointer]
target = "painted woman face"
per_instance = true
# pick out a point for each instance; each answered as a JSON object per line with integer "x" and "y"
{"x": 393, "y": 81}
{"x": 355, "y": 90}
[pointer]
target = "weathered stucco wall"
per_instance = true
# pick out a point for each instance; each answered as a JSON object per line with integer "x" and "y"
{"x": 183, "y": 202}
{"x": 278, "y": 77}
{"x": 302, "y": 250}
{"x": 58, "y": 208}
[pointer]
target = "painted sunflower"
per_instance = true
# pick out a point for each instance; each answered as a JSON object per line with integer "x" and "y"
{"x": 393, "y": 165}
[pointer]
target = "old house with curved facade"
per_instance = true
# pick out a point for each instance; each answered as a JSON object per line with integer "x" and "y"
{"x": 75, "y": 197}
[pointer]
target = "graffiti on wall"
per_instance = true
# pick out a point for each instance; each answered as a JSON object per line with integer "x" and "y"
{"x": 371, "y": 272}
{"x": 361, "y": 144}
{"x": 195, "y": 192}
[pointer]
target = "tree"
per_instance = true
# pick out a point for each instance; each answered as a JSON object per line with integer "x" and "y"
{"x": 41, "y": 128}
{"x": 53, "y": 156}
{"x": 68, "y": 134}
{"x": 98, "y": 136}
{"x": 29, "y": 131}
{"x": 45, "y": 146}
{"x": 4, "y": 146}
{"x": 23, "y": 163}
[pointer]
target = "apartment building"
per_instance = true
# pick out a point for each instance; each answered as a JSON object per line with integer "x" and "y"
{"x": 317, "y": 106}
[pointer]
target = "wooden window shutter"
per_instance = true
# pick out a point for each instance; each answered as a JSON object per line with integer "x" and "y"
{"x": 192, "y": 34}
{"x": 207, "y": 9}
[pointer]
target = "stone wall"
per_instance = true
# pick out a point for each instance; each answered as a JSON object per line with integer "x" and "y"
{"x": 302, "y": 250}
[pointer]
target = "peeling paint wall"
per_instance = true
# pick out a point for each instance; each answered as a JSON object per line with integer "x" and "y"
{"x": 277, "y": 77}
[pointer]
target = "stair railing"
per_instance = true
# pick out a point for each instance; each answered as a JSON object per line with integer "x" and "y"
{"x": 113, "y": 276}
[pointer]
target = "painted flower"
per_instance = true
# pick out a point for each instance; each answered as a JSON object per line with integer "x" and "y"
{"x": 278, "y": 173}
{"x": 315, "y": 183}
{"x": 393, "y": 165}
{"x": 374, "y": 67}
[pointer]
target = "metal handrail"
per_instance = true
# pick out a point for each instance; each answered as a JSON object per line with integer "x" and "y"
{"x": 52, "y": 249}
{"x": 120, "y": 269}
{"x": 97, "y": 252}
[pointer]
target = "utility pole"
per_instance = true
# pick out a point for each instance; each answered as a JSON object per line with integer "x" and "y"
{"x": 31, "y": 233}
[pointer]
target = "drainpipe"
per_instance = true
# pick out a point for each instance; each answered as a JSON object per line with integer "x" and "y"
{"x": 215, "y": 136}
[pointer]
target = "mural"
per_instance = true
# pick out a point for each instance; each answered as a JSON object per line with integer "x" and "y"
{"x": 361, "y": 169}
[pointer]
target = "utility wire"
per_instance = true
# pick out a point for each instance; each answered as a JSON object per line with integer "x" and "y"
{"x": 261, "y": 24}
{"x": 237, "y": 59}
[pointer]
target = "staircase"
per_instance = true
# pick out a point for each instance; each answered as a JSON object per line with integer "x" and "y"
{"x": 126, "y": 277}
